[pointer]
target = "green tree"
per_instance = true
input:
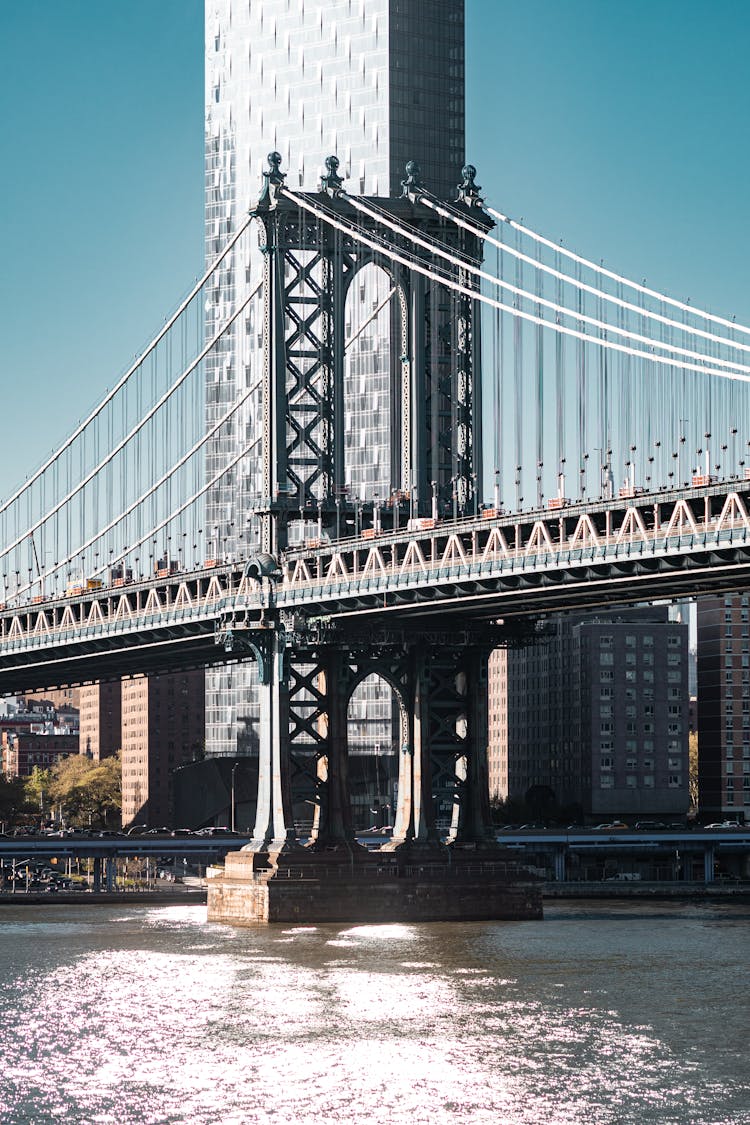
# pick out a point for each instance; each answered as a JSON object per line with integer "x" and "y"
{"x": 90, "y": 793}
{"x": 37, "y": 790}
{"x": 13, "y": 799}
{"x": 693, "y": 770}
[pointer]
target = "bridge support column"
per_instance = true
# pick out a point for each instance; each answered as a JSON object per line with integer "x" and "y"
{"x": 414, "y": 823}
{"x": 708, "y": 863}
{"x": 97, "y": 874}
{"x": 474, "y": 822}
{"x": 110, "y": 870}
{"x": 560, "y": 866}
{"x": 273, "y": 821}
{"x": 333, "y": 825}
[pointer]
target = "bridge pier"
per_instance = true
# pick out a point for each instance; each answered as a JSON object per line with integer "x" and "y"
{"x": 428, "y": 870}
{"x": 110, "y": 873}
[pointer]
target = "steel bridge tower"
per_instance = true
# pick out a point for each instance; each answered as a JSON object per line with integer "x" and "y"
{"x": 309, "y": 668}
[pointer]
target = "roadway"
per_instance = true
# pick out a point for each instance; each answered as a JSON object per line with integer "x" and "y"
{"x": 118, "y": 847}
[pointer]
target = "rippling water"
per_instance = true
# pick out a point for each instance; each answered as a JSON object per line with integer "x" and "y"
{"x": 602, "y": 1015}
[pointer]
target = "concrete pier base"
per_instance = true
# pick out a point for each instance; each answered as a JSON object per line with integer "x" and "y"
{"x": 253, "y": 890}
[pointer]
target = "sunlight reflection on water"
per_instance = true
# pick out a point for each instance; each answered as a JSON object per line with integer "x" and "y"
{"x": 152, "y": 1016}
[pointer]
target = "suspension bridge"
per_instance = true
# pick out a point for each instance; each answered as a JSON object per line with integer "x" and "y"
{"x": 551, "y": 436}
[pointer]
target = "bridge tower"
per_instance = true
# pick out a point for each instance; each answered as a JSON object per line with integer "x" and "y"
{"x": 314, "y": 245}
{"x": 310, "y": 266}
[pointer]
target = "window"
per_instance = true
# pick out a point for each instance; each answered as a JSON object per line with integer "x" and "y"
{"x": 606, "y": 658}
{"x": 675, "y": 780}
{"x": 606, "y": 763}
{"x": 631, "y": 781}
{"x": 606, "y": 781}
{"x": 630, "y": 642}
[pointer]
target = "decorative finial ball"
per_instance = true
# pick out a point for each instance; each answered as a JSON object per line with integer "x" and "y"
{"x": 412, "y": 168}
{"x": 468, "y": 171}
{"x": 274, "y": 159}
{"x": 332, "y": 163}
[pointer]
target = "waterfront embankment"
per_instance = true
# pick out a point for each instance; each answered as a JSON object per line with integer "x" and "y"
{"x": 677, "y": 892}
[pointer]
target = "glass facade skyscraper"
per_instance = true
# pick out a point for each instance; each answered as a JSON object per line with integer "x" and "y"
{"x": 378, "y": 83}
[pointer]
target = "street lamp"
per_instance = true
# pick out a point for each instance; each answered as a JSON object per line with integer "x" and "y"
{"x": 233, "y": 801}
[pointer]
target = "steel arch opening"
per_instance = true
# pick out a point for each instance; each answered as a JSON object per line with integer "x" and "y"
{"x": 372, "y": 739}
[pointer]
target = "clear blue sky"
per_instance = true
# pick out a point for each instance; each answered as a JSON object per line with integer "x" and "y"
{"x": 620, "y": 127}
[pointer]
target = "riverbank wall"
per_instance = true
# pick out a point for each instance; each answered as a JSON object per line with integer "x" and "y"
{"x": 194, "y": 896}
{"x": 614, "y": 889}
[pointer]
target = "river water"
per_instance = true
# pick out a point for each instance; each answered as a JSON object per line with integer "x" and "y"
{"x": 602, "y": 1014}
